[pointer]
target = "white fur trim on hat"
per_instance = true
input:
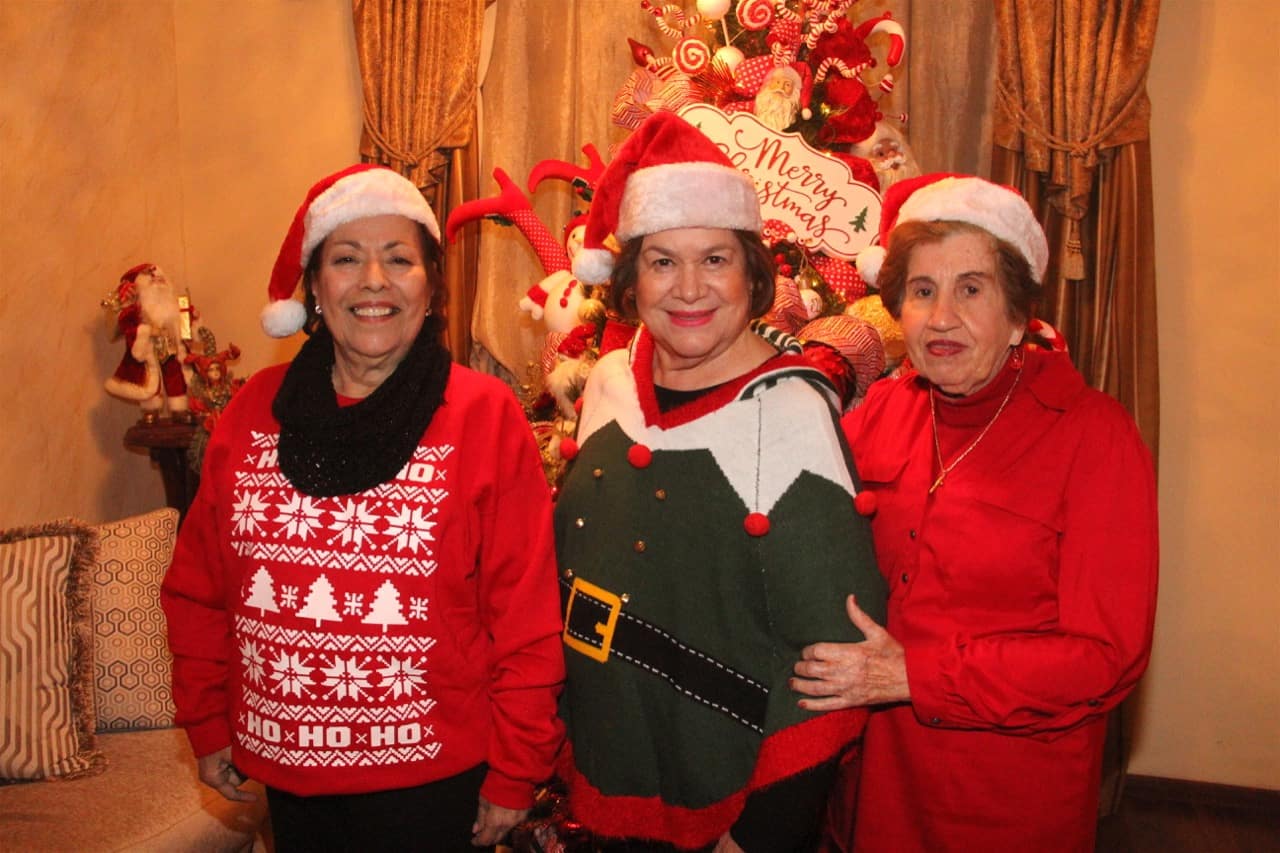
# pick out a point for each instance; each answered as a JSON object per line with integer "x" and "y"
{"x": 693, "y": 194}
{"x": 593, "y": 266}
{"x": 868, "y": 262}
{"x": 992, "y": 207}
{"x": 377, "y": 192}
{"x": 284, "y": 317}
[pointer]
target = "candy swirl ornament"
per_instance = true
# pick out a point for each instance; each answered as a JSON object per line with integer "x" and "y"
{"x": 692, "y": 55}
{"x": 755, "y": 15}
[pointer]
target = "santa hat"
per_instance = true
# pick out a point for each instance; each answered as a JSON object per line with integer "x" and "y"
{"x": 806, "y": 88}
{"x": 943, "y": 197}
{"x": 666, "y": 175}
{"x": 354, "y": 193}
{"x": 128, "y": 282}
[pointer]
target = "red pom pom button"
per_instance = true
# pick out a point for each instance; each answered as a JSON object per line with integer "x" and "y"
{"x": 577, "y": 405}
{"x": 568, "y": 448}
{"x": 865, "y": 503}
{"x": 756, "y": 524}
{"x": 639, "y": 456}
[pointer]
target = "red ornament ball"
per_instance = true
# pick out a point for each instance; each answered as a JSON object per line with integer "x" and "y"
{"x": 577, "y": 405}
{"x": 568, "y": 448}
{"x": 865, "y": 503}
{"x": 756, "y": 524}
{"x": 639, "y": 456}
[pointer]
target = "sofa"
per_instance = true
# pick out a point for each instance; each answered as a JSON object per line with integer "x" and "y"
{"x": 89, "y": 757}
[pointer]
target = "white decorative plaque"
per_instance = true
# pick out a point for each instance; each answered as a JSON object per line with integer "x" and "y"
{"x": 812, "y": 192}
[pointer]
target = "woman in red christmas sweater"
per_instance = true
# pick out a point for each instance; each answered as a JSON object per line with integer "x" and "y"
{"x": 362, "y": 605}
{"x": 1016, "y": 526}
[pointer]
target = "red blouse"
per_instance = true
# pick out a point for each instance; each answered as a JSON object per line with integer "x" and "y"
{"x": 1023, "y": 591}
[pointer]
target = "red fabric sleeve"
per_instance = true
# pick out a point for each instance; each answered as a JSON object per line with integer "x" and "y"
{"x": 194, "y": 600}
{"x": 1086, "y": 663}
{"x": 520, "y": 608}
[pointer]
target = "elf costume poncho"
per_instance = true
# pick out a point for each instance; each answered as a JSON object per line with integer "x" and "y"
{"x": 700, "y": 551}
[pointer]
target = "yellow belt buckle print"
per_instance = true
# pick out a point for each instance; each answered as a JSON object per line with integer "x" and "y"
{"x": 604, "y": 629}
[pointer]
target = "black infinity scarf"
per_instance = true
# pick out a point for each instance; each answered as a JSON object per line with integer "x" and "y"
{"x": 327, "y": 449}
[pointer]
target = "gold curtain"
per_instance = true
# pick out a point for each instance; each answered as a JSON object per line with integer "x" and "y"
{"x": 945, "y": 83}
{"x": 1071, "y": 131}
{"x": 418, "y": 64}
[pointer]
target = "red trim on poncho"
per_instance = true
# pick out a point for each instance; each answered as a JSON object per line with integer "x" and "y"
{"x": 783, "y": 754}
{"x": 642, "y": 370}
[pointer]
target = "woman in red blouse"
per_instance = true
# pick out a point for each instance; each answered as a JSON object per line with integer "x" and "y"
{"x": 1015, "y": 521}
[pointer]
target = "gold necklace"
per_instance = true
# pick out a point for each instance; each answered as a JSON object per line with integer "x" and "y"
{"x": 933, "y": 415}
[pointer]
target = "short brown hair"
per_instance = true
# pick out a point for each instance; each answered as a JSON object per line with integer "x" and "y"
{"x": 759, "y": 263}
{"x": 431, "y": 257}
{"x": 1021, "y": 290}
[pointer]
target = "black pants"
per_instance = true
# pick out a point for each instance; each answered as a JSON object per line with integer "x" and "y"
{"x": 432, "y": 818}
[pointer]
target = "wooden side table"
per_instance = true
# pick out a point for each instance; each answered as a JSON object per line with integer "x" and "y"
{"x": 167, "y": 443}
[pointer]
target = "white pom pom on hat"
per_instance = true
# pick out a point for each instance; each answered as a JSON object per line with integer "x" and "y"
{"x": 354, "y": 193}
{"x": 667, "y": 174}
{"x": 943, "y": 196}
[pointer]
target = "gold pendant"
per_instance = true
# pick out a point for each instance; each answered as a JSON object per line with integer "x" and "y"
{"x": 938, "y": 482}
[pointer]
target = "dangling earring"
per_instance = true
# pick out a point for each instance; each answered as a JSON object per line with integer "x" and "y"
{"x": 318, "y": 311}
{"x": 428, "y": 314}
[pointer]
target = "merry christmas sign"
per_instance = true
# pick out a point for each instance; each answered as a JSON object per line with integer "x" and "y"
{"x": 813, "y": 193}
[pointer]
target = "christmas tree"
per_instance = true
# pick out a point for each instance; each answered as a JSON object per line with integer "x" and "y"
{"x": 385, "y": 609}
{"x": 320, "y": 604}
{"x": 262, "y": 592}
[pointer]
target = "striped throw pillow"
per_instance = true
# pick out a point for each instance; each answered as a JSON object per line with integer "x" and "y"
{"x": 46, "y": 652}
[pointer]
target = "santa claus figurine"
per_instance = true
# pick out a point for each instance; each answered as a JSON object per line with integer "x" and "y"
{"x": 155, "y": 326}
{"x": 889, "y": 153}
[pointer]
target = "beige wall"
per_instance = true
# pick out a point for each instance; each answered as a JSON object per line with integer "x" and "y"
{"x": 185, "y": 133}
{"x": 182, "y": 133}
{"x": 1210, "y": 706}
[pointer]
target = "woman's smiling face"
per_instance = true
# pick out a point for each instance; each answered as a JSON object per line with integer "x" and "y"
{"x": 371, "y": 289}
{"x": 693, "y": 294}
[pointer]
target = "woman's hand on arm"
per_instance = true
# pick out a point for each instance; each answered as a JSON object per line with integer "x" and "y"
{"x": 853, "y": 675}
{"x": 726, "y": 844}
{"x": 493, "y": 822}
{"x": 217, "y": 771}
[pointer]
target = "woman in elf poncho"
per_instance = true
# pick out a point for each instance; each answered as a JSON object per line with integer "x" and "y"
{"x": 706, "y": 531}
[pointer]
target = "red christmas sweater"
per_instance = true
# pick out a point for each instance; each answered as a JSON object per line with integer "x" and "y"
{"x": 377, "y": 640}
{"x": 1023, "y": 591}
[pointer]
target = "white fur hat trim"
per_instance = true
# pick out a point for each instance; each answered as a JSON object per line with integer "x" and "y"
{"x": 869, "y": 262}
{"x": 376, "y": 192}
{"x": 593, "y": 266}
{"x": 284, "y": 317}
{"x": 695, "y": 194}
{"x": 992, "y": 207}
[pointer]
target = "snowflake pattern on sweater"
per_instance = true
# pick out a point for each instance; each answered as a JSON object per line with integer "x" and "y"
{"x": 319, "y": 688}
{"x": 376, "y": 640}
